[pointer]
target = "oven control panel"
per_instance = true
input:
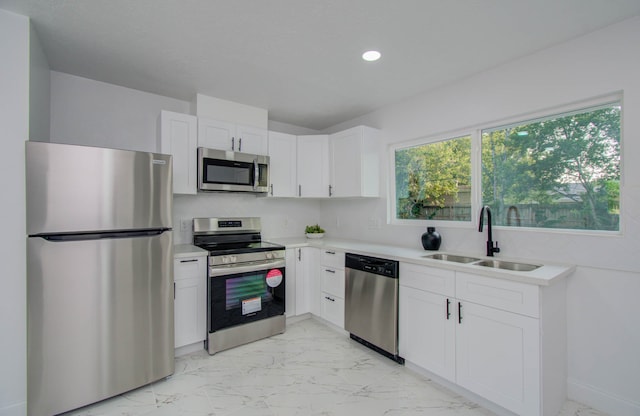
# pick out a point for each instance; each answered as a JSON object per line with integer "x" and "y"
{"x": 230, "y": 259}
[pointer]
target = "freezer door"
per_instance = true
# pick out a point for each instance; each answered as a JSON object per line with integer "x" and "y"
{"x": 100, "y": 319}
{"x": 73, "y": 189}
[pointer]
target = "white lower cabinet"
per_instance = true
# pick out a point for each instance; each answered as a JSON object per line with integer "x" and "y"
{"x": 332, "y": 281}
{"x": 497, "y": 355}
{"x": 190, "y": 302}
{"x": 427, "y": 336}
{"x": 302, "y": 284}
{"x": 484, "y": 334}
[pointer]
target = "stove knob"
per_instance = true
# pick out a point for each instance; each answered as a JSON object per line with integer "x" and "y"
{"x": 225, "y": 259}
{"x": 269, "y": 255}
{"x": 234, "y": 259}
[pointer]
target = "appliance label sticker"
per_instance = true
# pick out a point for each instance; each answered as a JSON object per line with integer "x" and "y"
{"x": 251, "y": 305}
{"x": 159, "y": 162}
{"x": 274, "y": 278}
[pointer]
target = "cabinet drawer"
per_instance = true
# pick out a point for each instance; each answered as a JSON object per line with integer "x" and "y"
{"x": 333, "y": 309}
{"x": 507, "y": 295}
{"x": 332, "y": 258}
{"x": 333, "y": 281}
{"x": 432, "y": 279}
{"x": 189, "y": 267}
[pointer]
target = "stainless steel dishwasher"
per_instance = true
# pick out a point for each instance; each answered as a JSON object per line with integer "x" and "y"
{"x": 371, "y": 303}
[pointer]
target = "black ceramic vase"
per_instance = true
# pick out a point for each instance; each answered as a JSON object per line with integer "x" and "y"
{"x": 431, "y": 239}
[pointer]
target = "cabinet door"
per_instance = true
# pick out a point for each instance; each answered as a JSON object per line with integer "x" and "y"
{"x": 291, "y": 282}
{"x": 251, "y": 140}
{"x": 497, "y": 357}
{"x": 427, "y": 327}
{"x": 189, "y": 313}
{"x": 354, "y": 165}
{"x": 332, "y": 281}
{"x": 178, "y": 137}
{"x": 313, "y": 166}
{"x": 282, "y": 167}
{"x": 332, "y": 258}
{"x": 332, "y": 309}
{"x": 190, "y": 300}
{"x": 214, "y": 134}
{"x": 311, "y": 266}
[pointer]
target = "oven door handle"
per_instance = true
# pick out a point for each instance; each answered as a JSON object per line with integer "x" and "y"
{"x": 228, "y": 270}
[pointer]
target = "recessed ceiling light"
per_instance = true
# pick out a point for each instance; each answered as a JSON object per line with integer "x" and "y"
{"x": 371, "y": 55}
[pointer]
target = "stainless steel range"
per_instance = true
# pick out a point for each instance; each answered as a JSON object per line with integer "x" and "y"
{"x": 246, "y": 286}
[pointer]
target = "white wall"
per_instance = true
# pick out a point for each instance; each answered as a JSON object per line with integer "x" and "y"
{"x": 39, "y": 90}
{"x": 602, "y": 301}
{"x": 93, "y": 113}
{"x": 14, "y": 119}
{"x": 231, "y": 112}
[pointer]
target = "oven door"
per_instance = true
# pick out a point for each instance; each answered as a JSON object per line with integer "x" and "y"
{"x": 243, "y": 294}
{"x": 219, "y": 170}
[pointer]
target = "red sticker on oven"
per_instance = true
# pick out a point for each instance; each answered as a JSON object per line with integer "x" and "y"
{"x": 274, "y": 278}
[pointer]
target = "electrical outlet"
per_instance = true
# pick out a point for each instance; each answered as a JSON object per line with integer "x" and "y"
{"x": 374, "y": 223}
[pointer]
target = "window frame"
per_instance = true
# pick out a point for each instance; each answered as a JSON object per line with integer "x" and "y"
{"x": 475, "y": 132}
{"x": 392, "y": 200}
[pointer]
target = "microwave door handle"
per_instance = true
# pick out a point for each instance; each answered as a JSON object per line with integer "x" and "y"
{"x": 256, "y": 174}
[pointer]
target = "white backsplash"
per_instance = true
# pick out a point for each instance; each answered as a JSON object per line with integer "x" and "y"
{"x": 279, "y": 217}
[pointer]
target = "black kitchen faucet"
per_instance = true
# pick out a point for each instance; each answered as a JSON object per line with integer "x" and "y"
{"x": 491, "y": 248}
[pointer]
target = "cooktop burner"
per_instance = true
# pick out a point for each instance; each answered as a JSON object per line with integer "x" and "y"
{"x": 216, "y": 249}
{"x": 222, "y": 236}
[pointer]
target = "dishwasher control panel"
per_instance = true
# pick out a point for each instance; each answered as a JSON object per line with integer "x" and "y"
{"x": 372, "y": 265}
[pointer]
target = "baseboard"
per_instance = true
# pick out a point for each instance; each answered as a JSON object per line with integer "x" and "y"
{"x": 295, "y": 319}
{"x": 188, "y": 349}
{"x": 18, "y": 409}
{"x": 601, "y": 400}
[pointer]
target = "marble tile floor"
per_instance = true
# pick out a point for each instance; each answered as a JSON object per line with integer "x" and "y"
{"x": 311, "y": 369}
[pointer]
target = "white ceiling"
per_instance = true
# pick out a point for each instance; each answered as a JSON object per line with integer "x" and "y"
{"x": 300, "y": 59}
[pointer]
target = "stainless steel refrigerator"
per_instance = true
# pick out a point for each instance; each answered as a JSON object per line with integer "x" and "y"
{"x": 99, "y": 273}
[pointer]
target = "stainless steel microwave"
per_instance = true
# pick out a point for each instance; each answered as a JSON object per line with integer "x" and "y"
{"x": 220, "y": 170}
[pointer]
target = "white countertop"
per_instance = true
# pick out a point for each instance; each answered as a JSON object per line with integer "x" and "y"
{"x": 542, "y": 276}
{"x": 188, "y": 250}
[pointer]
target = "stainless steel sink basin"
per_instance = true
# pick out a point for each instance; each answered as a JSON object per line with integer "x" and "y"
{"x": 451, "y": 257}
{"x": 507, "y": 265}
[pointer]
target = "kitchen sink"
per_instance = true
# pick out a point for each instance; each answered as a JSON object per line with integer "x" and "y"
{"x": 507, "y": 265}
{"x": 451, "y": 257}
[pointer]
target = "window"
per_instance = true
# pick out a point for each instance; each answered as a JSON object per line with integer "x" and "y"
{"x": 433, "y": 181}
{"x": 562, "y": 171}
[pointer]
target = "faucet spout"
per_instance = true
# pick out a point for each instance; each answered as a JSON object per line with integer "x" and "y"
{"x": 491, "y": 247}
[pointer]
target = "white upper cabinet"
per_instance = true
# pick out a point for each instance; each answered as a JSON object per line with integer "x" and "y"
{"x": 178, "y": 137}
{"x": 283, "y": 165}
{"x": 215, "y": 134}
{"x": 354, "y": 163}
{"x": 313, "y": 166}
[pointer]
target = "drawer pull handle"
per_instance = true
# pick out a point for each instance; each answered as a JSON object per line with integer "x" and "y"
{"x": 330, "y": 271}
{"x": 459, "y": 312}
{"x": 448, "y": 311}
{"x": 330, "y": 252}
{"x": 188, "y": 261}
{"x": 328, "y": 298}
